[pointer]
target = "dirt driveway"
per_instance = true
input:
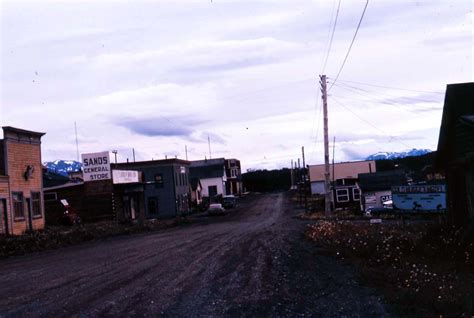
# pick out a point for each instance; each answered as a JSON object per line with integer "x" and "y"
{"x": 252, "y": 262}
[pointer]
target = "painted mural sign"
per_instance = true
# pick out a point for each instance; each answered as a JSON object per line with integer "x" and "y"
{"x": 125, "y": 176}
{"x": 419, "y": 198}
{"x": 96, "y": 166}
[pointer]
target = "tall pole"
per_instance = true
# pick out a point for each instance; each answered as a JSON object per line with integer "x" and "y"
{"x": 115, "y": 153}
{"x": 292, "y": 181}
{"x": 186, "y": 151}
{"x": 209, "y": 144}
{"x": 333, "y": 156}
{"x": 304, "y": 183}
{"x": 133, "y": 150}
{"x": 77, "y": 142}
{"x": 327, "y": 210}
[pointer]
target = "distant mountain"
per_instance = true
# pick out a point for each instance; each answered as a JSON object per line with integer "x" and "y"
{"x": 396, "y": 155}
{"x": 63, "y": 167}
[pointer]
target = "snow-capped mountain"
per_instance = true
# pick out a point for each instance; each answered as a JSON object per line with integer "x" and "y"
{"x": 63, "y": 167}
{"x": 395, "y": 155}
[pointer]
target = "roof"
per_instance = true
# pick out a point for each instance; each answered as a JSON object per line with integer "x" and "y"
{"x": 343, "y": 170}
{"x": 195, "y": 182}
{"x": 208, "y": 162}
{"x": 150, "y": 163}
{"x": 383, "y": 180}
{"x": 458, "y": 109}
{"x": 62, "y": 186}
{"x": 22, "y": 131}
{"x": 205, "y": 172}
{"x": 209, "y": 168}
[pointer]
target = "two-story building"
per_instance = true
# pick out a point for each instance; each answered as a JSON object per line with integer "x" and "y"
{"x": 166, "y": 186}
{"x": 21, "y": 182}
{"x": 212, "y": 175}
{"x": 234, "y": 177}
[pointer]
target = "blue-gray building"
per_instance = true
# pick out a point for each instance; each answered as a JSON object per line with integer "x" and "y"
{"x": 166, "y": 186}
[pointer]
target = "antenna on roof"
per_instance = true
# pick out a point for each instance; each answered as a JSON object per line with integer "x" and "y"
{"x": 77, "y": 142}
{"x": 209, "y": 143}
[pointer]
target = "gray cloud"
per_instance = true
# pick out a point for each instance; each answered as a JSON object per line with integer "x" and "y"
{"x": 160, "y": 126}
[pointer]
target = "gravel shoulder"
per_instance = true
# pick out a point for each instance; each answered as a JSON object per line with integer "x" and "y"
{"x": 254, "y": 261}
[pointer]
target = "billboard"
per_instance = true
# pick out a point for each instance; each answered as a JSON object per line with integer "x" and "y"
{"x": 125, "y": 176}
{"x": 428, "y": 198}
{"x": 96, "y": 166}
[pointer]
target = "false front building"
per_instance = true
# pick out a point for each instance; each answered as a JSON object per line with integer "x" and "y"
{"x": 21, "y": 182}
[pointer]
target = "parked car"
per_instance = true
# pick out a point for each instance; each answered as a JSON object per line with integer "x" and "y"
{"x": 228, "y": 201}
{"x": 215, "y": 209}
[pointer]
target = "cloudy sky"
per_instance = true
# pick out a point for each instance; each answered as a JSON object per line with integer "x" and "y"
{"x": 158, "y": 76}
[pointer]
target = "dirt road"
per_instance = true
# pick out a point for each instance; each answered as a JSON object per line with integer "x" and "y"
{"x": 251, "y": 262}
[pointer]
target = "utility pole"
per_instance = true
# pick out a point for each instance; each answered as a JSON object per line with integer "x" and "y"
{"x": 186, "y": 151}
{"x": 292, "y": 178}
{"x": 115, "y": 153}
{"x": 327, "y": 210}
{"x": 77, "y": 142}
{"x": 209, "y": 144}
{"x": 133, "y": 150}
{"x": 304, "y": 183}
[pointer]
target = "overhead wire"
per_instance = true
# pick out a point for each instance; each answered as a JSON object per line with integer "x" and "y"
{"x": 350, "y": 46}
{"x": 383, "y": 95}
{"x": 394, "y": 88}
{"x": 368, "y": 123}
{"x": 332, "y": 37}
{"x": 318, "y": 99}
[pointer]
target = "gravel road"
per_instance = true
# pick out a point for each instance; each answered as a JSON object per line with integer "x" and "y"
{"x": 252, "y": 262}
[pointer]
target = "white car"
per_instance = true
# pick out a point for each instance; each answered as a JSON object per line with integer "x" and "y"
{"x": 215, "y": 209}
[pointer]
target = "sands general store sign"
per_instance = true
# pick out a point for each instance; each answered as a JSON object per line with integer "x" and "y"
{"x": 96, "y": 166}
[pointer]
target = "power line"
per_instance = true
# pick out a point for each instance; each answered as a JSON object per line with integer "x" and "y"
{"x": 347, "y": 86}
{"x": 350, "y": 46}
{"x": 395, "y": 88}
{"x": 368, "y": 123}
{"x": 332, "y": 36}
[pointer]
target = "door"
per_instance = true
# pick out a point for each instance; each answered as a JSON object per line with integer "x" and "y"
{"x": 212, "y": 192}
{"x": 30, "y": 215}
{"x": 3, "y": 217}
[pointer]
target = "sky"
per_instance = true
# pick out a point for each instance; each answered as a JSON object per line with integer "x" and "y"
{"x": 161, "y": 77}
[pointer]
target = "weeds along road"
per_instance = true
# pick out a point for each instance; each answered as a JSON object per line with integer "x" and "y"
{"x": 252, "y": 262}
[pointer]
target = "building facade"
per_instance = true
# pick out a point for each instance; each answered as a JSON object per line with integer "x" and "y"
{"x": 234, "y": 177}
{"x": 21, "y": 182}
{"x": 166, "y": 186}
{"x": 455, "y": 155}
{"x": 212, "y": 175}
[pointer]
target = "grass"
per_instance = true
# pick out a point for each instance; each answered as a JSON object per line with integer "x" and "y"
{"x": 423, "y": 269}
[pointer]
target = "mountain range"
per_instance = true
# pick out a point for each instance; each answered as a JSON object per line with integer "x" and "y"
{"x": 396, "y": 155}
{"x": 63, "y": 167}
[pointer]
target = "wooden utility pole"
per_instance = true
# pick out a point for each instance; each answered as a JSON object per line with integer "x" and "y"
{"x": 327, "y": 184}
{"x": 292, "y": 176}
{"x": 304, "y": 183}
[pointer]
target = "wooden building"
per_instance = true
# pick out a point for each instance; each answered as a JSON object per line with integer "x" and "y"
{"x": 455, "y": 154}
{"x": 21, "y": 181}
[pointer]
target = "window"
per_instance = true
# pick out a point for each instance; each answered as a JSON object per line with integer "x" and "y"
{"x": 159, "y": 180}
{"x": 50, "y": 196}
{"x": 356, "y": 194}
{"x": 152, "y": 205}
{"x": 19, "y": 211}
{"x": 36, "y": 204}
{"x": 342, "y": 195}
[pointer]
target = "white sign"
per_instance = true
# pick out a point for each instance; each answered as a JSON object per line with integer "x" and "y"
{"x": 96, "y": 166}
{"x": 125, "y": 176}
